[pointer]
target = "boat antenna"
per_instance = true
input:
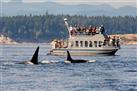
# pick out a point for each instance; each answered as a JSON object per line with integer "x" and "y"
{"x": 67, "y": 25}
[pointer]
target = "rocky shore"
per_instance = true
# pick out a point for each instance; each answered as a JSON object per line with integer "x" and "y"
{"x": 6, "y": 40}
{"x": 127, "y": 39}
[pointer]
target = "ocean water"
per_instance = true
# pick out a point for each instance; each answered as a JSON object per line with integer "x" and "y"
{"x": 108, "y": 73}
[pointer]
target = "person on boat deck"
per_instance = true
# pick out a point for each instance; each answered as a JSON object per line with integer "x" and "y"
{"x": 97, "y": 30}
{"x": 107, "y": 40}
{"x": 87, "y": 31}
{"x": 110, "y": 41}
{"x": 65, "y": 44}
{"x": 70, "y": 29}
{"x": 94, "y": 31}
{"x": 114, "y": 41}
{"x": 102, "y": 29}
{"x": 90, "y": 30}
{"x": 81, "y": 28}
{"x": 73, "y": 31}
{"x": 61, "y": 43}
{"x": 117, "y": 41}
{"x": 78, "y": 29}
{"x": 53, "y": 43}
{"x": 56, "y": 44}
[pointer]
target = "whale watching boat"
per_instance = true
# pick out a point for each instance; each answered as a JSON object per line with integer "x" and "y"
{"x": 85, "y": 41}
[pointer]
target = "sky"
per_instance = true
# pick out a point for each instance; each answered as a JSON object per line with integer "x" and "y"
{"x": 113, "y": 3}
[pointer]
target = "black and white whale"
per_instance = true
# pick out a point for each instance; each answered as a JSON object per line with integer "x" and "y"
{"x": 34, "y": 59}
{"x": 70, "y": 60}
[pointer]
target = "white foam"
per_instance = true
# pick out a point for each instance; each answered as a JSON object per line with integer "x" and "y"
{"x": 28, "y": 62}
{"x": 8, "y": 63}
{"x": 91, "y": 61}
{"x": 48, "y": 62}
{"x": 66, "y": 61}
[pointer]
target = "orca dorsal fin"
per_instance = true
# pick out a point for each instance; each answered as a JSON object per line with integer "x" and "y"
{"x": 68, "y": 56}
{"x": 34, "y": 59}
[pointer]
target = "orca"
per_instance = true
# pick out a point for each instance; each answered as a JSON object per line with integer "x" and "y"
{"x": 70, "y": 60}
{"x": 34, "y": 59}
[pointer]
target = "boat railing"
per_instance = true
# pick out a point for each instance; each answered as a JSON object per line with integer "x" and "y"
{"x": 84, "y": 34}
{"x": 108, "y": 42}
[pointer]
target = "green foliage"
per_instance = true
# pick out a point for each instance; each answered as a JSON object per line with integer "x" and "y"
{"x": 47, "y": 27}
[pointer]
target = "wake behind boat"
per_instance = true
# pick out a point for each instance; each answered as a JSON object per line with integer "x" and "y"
{"x": 86, "y": 42}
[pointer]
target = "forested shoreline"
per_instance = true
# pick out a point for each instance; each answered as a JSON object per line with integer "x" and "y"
{"x": 44, "y": 28}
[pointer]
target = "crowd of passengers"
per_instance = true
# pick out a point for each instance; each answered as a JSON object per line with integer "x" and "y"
{"x": 114, "y": 41}
{"x": 59, "y": 44}
{"x": 79, "y": 30}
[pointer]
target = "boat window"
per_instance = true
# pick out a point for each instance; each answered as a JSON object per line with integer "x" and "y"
{"x": 81, "y": 43}
{"x": 77, "y": 44}
{"x": 86, "y": 43}
{"x": 95, "y": 43}
{"x": 90, "y": 43}
{"x": 100, "y": 43}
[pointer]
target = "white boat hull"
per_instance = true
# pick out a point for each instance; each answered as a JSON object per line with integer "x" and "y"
{"x": 84, "y": 52}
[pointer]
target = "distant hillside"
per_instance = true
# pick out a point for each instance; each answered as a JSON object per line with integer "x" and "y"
{"x": 20, "y": 8}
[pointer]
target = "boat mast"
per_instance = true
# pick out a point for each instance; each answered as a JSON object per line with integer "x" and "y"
{"x": 67, "y": 25}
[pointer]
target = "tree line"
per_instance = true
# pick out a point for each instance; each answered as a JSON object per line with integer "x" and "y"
{"x": 43, "y": 28}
